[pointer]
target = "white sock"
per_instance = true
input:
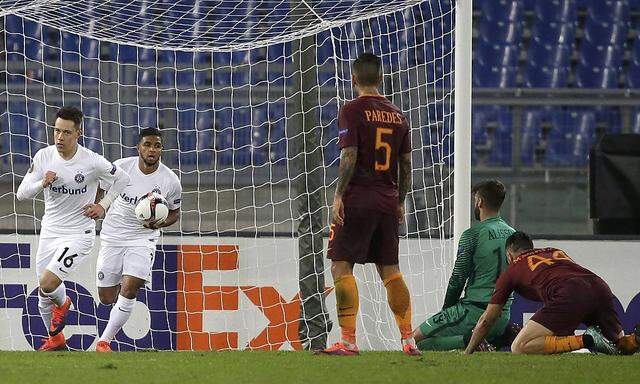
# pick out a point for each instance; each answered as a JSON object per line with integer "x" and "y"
{"x": 58, "y": 296}
{"x": 119, "y": 315}
{"x": 45, "y": 306}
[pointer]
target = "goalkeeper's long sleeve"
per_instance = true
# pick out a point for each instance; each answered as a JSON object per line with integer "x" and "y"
{"x": 462, "y": 268}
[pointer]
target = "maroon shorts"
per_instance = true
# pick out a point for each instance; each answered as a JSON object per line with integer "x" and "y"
{"x": 577, "y": 300}
{"x": 367, "y": 236}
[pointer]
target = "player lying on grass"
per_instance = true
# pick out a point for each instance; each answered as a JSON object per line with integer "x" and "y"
{"x": 571, "y": 295}
{"x": 368, "y": 206}
{"x": 127, "y": 248}
{"x": 481, "y": 258}
{"x": 68, "y": 174}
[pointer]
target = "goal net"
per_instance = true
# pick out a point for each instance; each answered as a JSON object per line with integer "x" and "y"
{"x": 246, "y": 94}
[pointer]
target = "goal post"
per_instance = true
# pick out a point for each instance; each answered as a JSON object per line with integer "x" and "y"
{"x": 246, "y": 94}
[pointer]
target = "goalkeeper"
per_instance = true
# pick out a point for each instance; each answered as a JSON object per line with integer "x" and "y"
{"x": 481, "y": 258}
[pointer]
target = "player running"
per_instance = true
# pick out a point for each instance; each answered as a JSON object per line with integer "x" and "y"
{"x": 68, "y": 174}
{"x": 571, "y": 295}
{"x": 127, "y": 248}
{"x": 481, "y": 258}
{"x": 369, "y": 202}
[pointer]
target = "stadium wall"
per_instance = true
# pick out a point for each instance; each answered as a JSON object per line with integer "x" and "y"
{"x": 251, "y": 290}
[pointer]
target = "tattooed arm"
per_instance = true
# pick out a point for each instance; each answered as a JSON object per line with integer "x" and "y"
{"x": 348, "y": 157}
{"x": 404, "y": 183}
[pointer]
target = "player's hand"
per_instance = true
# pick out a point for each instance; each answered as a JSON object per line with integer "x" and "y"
{"x": 400, "y": 213}
{"x": 94, "y": 211}
{"x": 338, "y": 210}
{"x": 49, "y": 178}
{"x": 154, "y": 224}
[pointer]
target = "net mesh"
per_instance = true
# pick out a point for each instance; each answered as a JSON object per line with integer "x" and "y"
{"x": 220, "y": 80}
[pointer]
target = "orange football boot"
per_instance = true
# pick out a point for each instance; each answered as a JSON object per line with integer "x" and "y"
{"x": 59, "y": 317}
{"x": 103, "y": 346}
{"x": 411, "y": 350}
{"x": 54, "y": 343}
{"x": 340, "y": 349}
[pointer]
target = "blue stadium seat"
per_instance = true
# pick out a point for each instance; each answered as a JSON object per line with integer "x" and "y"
{"x": 585, "y": 128}
{"x": 633, "y": 75}
{"x": 494, "y": 77}
{"x": 511, "y": 10}
{"x": 553, "y": 55}
{"x": 558, "y": 10}
{"x": 608, "y": 32}
{"x": 545, "y": 77}
{"x": 147, "y": 117}
{"x": 497, "y": 55}
{"x": 615, "y": 9}
{"x": 501, "y": 151}
{"x": 595, "y": 77}
{"x": 553, "y": 32}
{"x": 560, "y": 140}
{"x": 500, "y": 32}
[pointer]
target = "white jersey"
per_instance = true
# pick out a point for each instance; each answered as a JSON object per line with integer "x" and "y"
{"x": 121, "y": 227}
{"x": 75, "y": 186}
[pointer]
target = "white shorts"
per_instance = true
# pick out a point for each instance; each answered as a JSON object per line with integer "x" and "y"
{"x": 62, "y": 255}
{"x": 115, "y": 262}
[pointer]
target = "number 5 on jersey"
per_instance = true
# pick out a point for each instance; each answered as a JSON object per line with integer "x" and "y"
{"x": 385, "y": 146}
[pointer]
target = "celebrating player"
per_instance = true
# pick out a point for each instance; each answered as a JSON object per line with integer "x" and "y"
{"x": 481, "y": 259}
{"x": 571, "y": 295}
{"x": 68, "y": 174}
{"x": 127, "y": 247}
{"x": 369, "y": 202}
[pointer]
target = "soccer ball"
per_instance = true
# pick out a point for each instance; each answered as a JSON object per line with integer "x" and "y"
{"x": 152, "y": 207}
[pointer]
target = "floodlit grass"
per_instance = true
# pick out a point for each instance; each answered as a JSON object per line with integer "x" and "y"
{"x": 304, "y": 367}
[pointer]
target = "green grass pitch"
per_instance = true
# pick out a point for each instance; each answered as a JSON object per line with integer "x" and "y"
{"x": 303, "y": 367}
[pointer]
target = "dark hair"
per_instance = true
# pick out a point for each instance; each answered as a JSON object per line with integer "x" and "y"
{"x": 368, "y": 69}
{"x": 519, "y": 241}
{"x": 70, "y": 113}
{"x": 492, "y": 193}
{"x": 149, "y": 132}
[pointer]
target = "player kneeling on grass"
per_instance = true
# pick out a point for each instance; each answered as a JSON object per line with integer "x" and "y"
{"x": 68, "y": 174}
{"x": 571, "y": 295}
{"x": 374, "y": 177}
{"x": 127, "y": 245}
{"x": 481, "y": 259}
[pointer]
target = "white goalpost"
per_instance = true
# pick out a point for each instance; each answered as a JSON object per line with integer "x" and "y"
{"x": 246, "y": 94}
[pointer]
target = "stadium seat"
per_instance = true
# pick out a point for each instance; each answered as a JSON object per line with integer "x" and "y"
{"x": 500, "y": 32}
{"x": 609, "y": 32}
{"x": 633, "y": 75}
{"x": 553, "y": 55}
{"x": 553, "y": 32}
{"x": 497, "y": 55}
{"x": 494, "y": 77}
{"x": 558, "y": 10}
{"x": 511, "y": 10}
{"x": 615, "y": 9}
{"x": 585, "y": 128}
{"x": 545, "y": 77}
{"x": 635, "y": 128}
{"x": 596, "y": 77}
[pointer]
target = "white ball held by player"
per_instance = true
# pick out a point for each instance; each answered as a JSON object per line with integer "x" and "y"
{"x": 152, "y": 208}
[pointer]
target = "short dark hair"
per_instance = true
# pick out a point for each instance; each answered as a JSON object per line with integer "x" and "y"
{"x": 368, "y": 69}
{"x": 70, "y": 113}
{"x": 519, "y": 241}
{"x": 149, "y": 132}
{"x": 492, "y": 192}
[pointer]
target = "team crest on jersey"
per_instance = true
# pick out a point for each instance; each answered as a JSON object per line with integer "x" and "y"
{"x": 79, "y": 178}
{"x": 100, "y": 275}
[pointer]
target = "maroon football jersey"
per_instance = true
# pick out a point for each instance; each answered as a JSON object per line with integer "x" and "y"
{"x": 381, "y": 133}
{"x": 534, "y": 273}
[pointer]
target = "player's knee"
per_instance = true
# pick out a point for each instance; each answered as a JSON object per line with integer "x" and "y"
{"x": 339, "y": 269}
{"x": 107, "y": 297}
{"x": 518, "y": 347}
